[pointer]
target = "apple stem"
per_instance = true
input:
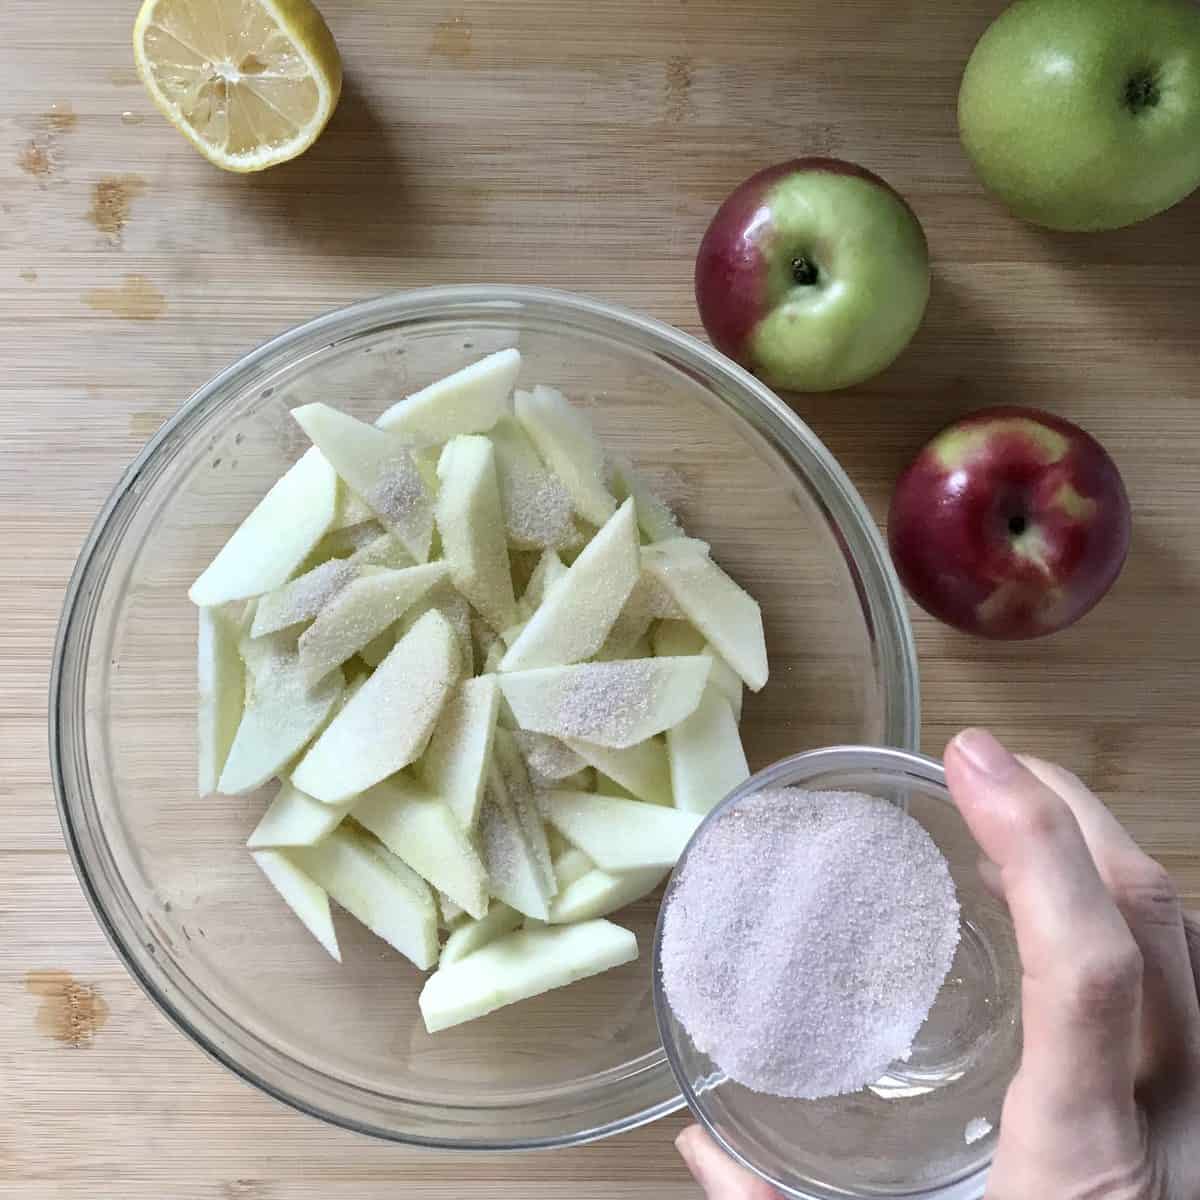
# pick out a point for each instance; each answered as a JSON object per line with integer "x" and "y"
{"x": 1141, "y": 91}
{"x": 804, "y": 271}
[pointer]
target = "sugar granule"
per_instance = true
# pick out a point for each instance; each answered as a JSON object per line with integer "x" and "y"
{"x": 807, "y": 939}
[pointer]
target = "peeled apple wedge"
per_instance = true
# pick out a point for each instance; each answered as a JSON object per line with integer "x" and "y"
{"x": 360, "y": 612}
{"x": 221, "y": 680}
{"x": 538, "y": 509}
{"x": 268, "y": 546}
{"x": 380, "y": 467}
{"x": 509, "y": 783}
{"x": 706, "y": 755}
{"x": 377, "y": 889}
{"x": 514, "y": 874}
{"x": 472, "y": 528}
{"x": 450, "y": 913}
{"x": 615, "y": 704}
{"x": 302, "y": 598}
{"x": 474, "y": 935}
{"x": 351, "y": 511}
{"x": 655, "y": 518}
{"x": 308, "y": 900}
{"x": 549, "y": 570}
{"x": 643, "y": 770}
{"x": 294, "y": 819}
{"x": 579, "y": 610}
{"x": 565, "y": 440}
{"x": 282, "y": 713}
{"x": 388, "y": 722}
{"x": 547, "y": 760}
{"x": 570, "y": 865}
{"x": 620, "y": 835}
{"x": 455, "y": 609}
{"x": 727, "y": 616}
{"x": 522, "y": 964}
{"x": 598, "y": 893}
{"x": 456, "y": 763}
{"x": 469, "y": 401}
{"x": 421, "y": 830}
{"x": 672, "y": 638}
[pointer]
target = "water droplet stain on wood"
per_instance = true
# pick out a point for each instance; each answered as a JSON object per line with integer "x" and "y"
{"x": 70, "y": 1012}
{"x": 112, "y": 199}
{"x": 137, "y": 299}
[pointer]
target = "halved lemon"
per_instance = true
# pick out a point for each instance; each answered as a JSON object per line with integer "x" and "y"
{"x": 250, "y": 83}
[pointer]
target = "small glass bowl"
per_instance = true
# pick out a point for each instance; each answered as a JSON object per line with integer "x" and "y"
{"x": 927, "y": 1129}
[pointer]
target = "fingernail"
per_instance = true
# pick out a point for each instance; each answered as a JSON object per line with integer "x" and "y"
{"x": 986, "y": 755}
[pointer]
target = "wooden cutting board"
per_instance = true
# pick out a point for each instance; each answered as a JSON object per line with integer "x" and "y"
{"x": 583, "y": 146}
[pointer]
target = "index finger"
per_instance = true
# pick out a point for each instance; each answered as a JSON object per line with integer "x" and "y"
{"x": 1081, "y": 966}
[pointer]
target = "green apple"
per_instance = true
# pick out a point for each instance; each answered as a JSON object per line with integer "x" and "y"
{"x": 1085, "y": 114}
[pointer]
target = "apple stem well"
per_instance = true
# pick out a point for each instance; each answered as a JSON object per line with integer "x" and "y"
{"x": 804, "y": 271}
{"x": 1141, "y": 91}
{"x": 1017, "y": 525}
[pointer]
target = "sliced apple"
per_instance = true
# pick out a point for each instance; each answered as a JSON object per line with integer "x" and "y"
{"x": 538, "y": 509}
{"x": 706, "y": 755}
{"x": 221, "y": 681}
{"x": 455, "y": 766}
{"x": 565, "y": 440}
{"x": 302, "y": 598}
{"x": 282, "y": 714}
{"x": 456, "y": 610}
{"x": 519, "y": 965}
{"x": 570, "y": 865}
{"x": 655, "y": 518}
{"x": 616, "y": 704}
{"x": 450, "y": 913}
{"x": 606, "y": 787}
{"x": 727, "y": 616}
{"x": 642, "y": 770}
{"x": 375, "y": 887}
{"x": 509, "y": 781}
{"x": 421, "y": 830}
{"x": 641, "y": 609}
{"x": 471, "y": 524}
{"x": 275, "y": 538}
{"x": 295, "y": 819}
{"x": 380, "y": 467}
{"x": 360, "y": 612}
{"x": 474, "y": 935}
{"x": 548, "y": 760}
{"x": 344, "y": 543}
{"x": 307, "y": 899}
{"x": 598, "y": 893}
{"x": 379, "y": 647}
{"x": 674, "y": 638}
{"x": 469, "y": 401}
{"x": 579, "y": 610}
{"x": 382, "y": 550}
{"x": 620, "y": 835}
{"x": 514, "y": 874}
{"x": 351, "y": 511}
{"x": 388, "y": 722}
{"x": 550, "y": 568}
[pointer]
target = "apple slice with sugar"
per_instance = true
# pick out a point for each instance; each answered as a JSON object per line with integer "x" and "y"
{"x": 706, "y": 755}
{"x": 566, "y": 441}
{"x": 421, "y": 830}
{"x": 597, "y": 893}
{"x": 472, "y": 528}
{"x": 302, "y": 598}
{"x": 474, "y": 935}
{"x": 672, "y": 638}
{"x": 643, "y": 770}
{"x": 655, "y": 518}
{"x": 620, "y": 835}
{"x": 579, "y": 610}
{"x": 469, "y": 401}
{"x": 509, "y": 782}
{"x": 456, "y": 610}
{"x": 360, "y": 611}
{"x": 519, "y": 965}
{"x": 550, "y": 568}
{"x": 307, "y": 899}
{"x": 277, "y": 536}
{"x": 380, "y": 467}
{"x": 282, "y": 714}
{"x": 376, "y": 888}
{"x": 510, "y": 862}
{"x": 351, "y": 509}
{"x": 450, "y": 914}
{"x": 724, "y": 613}
{"x": 456, "y": 763}
{"x": 615, "y": 704}
{"x": 221, "y": 680}
{"x": 295, "y": 819}
{"x": 388, "y": 722}
{"x": 538, "y": 510}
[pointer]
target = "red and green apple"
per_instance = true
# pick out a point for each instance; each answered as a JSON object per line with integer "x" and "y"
{"x": 1011, "y": 523}
{"x": 814, "y": 274}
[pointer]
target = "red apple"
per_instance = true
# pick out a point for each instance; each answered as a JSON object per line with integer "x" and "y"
{"x": 814, "y": 274}
{"x": 1011, "y": 523}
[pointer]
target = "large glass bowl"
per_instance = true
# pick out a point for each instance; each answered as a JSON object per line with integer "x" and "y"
{"x": 167, "y": 872}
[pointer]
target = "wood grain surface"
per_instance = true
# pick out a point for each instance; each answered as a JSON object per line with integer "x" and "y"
{"x": 584, "y": 146}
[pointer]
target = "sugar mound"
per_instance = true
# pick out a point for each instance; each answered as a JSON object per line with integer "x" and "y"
{"x": 807, "y": 939}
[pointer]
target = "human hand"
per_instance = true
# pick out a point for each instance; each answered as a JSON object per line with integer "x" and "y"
{"x": 1106, "y": 1105}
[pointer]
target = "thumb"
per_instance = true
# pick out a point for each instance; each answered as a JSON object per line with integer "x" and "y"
{"x": 717, "y": 1173}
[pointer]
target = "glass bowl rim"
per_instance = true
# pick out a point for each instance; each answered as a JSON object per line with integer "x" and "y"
{"x": 880, "y": 596}
{"x": 809, "y": 763}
